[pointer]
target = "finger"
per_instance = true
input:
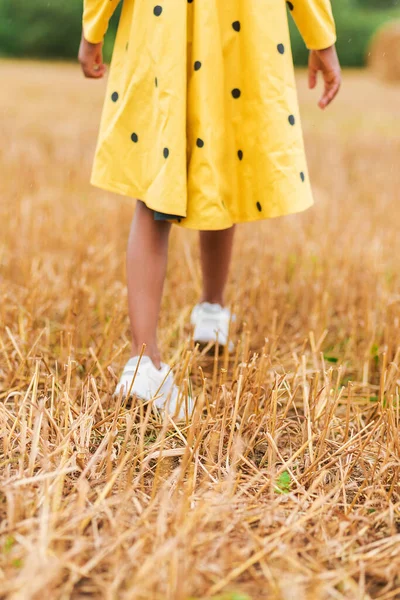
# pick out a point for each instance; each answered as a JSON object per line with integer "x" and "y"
{"x": 99, "y": 65}
{"x": 312, "y": 76}
{"x": 93, "y": 71}
{"x": 331, "y": 90}
{"x": 99, "y": 68}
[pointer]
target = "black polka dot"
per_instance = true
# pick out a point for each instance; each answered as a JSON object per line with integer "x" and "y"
{"x": 197, "y": 65}
{"x": 259, "y": 206}
{"x": 291, "y": 119}
{"x": 114, "y": 96}
{"x": 240, "y": 154}
{"x": 290, "y": 5}
{"x": 134, "y": 137}
{"x": 302, "y": 176}
{"x": 236, "y": 93}
{"x": 166, "y": 152}
{"x": 190, "y": 1}
{"x": 157, "y": 10}
{"x": 281, "y": 48}
{"x": 156, "y": 81}
{"x": 236, "y": 25}
{"x": 199, "y": 143}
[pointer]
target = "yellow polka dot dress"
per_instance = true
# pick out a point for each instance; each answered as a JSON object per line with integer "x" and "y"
{"x": 201, "y": 119}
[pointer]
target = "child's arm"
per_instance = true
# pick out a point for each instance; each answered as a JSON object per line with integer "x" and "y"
{"x": 316, "y": 24}
{"x": 96, "y": 16}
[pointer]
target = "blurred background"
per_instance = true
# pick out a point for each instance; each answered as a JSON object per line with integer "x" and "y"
{"x": 51, "y": 28}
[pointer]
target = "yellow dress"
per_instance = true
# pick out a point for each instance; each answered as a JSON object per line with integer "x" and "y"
{"x": 201, "y": 117}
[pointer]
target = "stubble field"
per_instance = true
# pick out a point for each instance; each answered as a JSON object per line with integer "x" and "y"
{"x": 285, "y": 485}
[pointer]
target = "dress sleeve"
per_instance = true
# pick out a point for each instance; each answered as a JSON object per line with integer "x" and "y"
{"x": 96, "y": 15}
{"x": 315, "y": 22}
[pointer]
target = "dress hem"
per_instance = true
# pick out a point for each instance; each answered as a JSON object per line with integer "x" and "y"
{"x": 134, "y": 195}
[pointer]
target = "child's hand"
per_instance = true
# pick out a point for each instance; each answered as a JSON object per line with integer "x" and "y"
{"x": 91, "y": 58}
{"x": 326, "y": 61}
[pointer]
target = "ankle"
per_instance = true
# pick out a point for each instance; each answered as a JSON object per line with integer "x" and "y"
{"x": 212, "y": 299}
{"x": 152, "y": 352}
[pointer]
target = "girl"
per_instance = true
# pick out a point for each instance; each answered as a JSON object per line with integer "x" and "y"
{"x": 201, "y": 125}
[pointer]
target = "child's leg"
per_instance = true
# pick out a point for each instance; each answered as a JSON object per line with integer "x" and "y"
{"x": 146, "y": 263}
{"x": 215, "y": 252}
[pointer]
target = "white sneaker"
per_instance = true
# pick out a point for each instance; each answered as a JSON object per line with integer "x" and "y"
{"x": 211, "y": 321}
{"x": 150, "y": 383}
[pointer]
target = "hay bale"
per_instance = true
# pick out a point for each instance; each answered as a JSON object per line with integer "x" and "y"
{"x": 384, "y": 52}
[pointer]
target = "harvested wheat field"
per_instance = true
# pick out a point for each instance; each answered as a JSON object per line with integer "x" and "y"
{"x": 285, "y": 485}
